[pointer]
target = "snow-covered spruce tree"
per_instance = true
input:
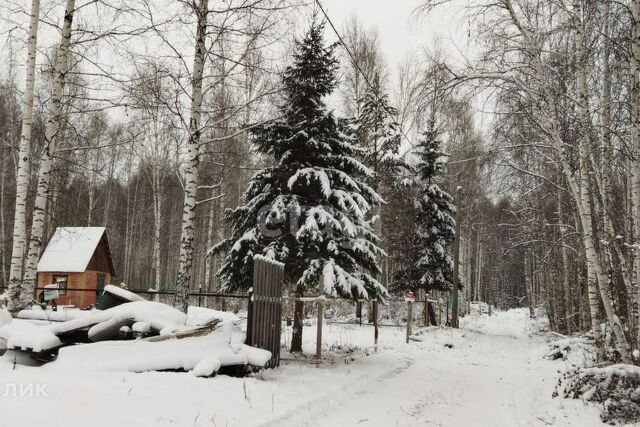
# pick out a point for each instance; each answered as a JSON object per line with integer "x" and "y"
{"x": 310, "y": 210}
{"x": 431, "y": 265}
{"x": 379, "y": 135}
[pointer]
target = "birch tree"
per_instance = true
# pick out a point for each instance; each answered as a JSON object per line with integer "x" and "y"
{"x": 22, "y": 176}
{"x": 52, "y": 134}
{"x": 634, "y": 71}
{"x": 193, "y": 159}
{"x": 527, "y": 71}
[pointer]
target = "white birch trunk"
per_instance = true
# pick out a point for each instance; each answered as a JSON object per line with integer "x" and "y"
{"x": 606, "y": 187}
{"x": 185, "y": 265}
{"x": 52, "y": 134}
{"x": 566, "y": 286}
{"x": 109, "y": 188}
{"x": 596, "y": 276}
{"x": 157, "y": 218}
{"x": 208, "y": 262}
{"x": 635, "y": 159}
{"x": 3, "y": 264}
{"x": 92, "y": 186}
{"x": 129, "y": 218}
{"x": 22, "y": 174}
{"x": 580, "y": 191}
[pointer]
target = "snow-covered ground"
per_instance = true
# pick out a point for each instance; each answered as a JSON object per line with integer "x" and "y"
{"x": 443, "y": 377}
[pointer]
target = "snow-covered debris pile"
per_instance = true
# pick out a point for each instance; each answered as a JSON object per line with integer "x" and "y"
{"x": 515, "y": 323}
{"x": 114, "y": 296}
{"x": 616, "y": 387}
{"x": 5, "y": 319}
{"x": 203, "y": 355}
{"x": 27, "y": 336}
{"x": 144, "y": 317}
{"x": 122, "y": 293}
{"x": 24, "y": 335}
{"x": 162, "y": 317}
{"x": 61, "y": 315}
{"x": 201, "y": 341}
{"x": 578, "y": 351}
{"x": 198, "y": 316}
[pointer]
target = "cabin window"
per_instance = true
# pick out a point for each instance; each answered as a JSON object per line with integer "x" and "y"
{"x": 61, "y": 280}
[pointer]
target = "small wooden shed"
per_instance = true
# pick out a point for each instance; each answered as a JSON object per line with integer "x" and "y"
{"x": 77, "y": 258}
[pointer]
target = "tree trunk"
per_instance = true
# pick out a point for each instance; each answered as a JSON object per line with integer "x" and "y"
{"x": 580, "y": 190}
{"x": 528, "y": 280}
{"x": 595, "y": 278}
{"x": 109, "y": 188}
{"x": 157, "y": 229}
{"x": 456, "y": 271}
{"x": 52, "y": 133}
{"x": 185, "y": 265}
{"x": 22, "y": 174}
{"x": 635, "y": 157}
{"x": 566, "y": 283}
{"x": 92, "y": 185}
{"x": 3, "y": 260}
{"x": 298, "y": 317}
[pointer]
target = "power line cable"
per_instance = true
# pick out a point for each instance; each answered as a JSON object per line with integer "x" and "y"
{"x": 364, "y": 76}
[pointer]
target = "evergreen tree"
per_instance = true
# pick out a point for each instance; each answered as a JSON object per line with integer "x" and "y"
{"x": 433, "y": 212}
{"x": 379, "y": 135}
{"x": 309, "y": 210}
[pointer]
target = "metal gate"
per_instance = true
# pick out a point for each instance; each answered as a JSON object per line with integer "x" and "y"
{"x": 264, "y": 321}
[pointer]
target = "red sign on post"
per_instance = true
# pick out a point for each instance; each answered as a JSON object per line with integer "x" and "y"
{"x": 409, "y": 296}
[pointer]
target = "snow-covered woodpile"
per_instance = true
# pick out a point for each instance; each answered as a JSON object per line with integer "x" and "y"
{"x": 134, "y": 336}
{"x": 616, "y": 387}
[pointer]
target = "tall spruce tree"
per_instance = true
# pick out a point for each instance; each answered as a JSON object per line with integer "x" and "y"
{"x": 429, "y": 264}
{"x": 310, "y": 210}
{"x": 379, "y": 135}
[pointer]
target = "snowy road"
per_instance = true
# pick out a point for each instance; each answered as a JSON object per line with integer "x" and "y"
{"x": 481, "y": 384}
{"x": 450, "y": 378}
{"x": 483, "y": 380}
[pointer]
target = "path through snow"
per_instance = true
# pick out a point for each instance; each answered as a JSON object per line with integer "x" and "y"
{"x": 483, "y": 380}
{"x": 487, "y": 378}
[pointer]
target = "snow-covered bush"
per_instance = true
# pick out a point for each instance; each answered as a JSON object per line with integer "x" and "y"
{"x": 616, "y": 387}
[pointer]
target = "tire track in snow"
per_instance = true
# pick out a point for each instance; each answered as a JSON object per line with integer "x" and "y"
{"x": 306, "y": 413}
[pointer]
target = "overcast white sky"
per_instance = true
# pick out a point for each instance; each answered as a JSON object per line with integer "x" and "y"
{"x": 401, "y": 30}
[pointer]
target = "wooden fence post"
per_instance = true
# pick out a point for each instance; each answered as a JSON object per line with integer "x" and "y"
{"x": 249, "y": 319}
{"x": 426, "y": 309}
{"x": 409, "y": 319}
{"x": 446, "y": 312}
{"x": 319, "y": 330}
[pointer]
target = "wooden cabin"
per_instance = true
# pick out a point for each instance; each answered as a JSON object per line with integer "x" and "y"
{"x": 77, "y": 258}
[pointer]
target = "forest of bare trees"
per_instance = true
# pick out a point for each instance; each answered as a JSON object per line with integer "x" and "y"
{"x": 561, "y": 82}
{"x": 138, "y": 121}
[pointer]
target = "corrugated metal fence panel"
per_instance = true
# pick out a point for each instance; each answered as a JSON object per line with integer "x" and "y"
{"x": 266, "y": 307}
